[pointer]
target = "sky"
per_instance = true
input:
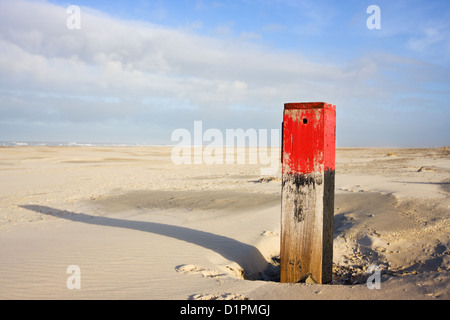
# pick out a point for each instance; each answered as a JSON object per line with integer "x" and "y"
{"x": 135, "y": 71}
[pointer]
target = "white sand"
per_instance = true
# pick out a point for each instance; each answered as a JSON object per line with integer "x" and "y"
{"x": 140, "y": 227}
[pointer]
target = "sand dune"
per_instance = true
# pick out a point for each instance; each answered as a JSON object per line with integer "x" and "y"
{"x": 140, "y": 227}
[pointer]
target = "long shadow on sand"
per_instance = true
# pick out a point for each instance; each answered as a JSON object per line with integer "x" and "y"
{"x": 248, "y": 257}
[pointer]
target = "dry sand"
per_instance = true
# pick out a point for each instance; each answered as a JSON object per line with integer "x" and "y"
{"x": 140, "y": 227}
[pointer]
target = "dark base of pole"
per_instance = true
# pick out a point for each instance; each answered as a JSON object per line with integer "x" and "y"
{"x": 307, "y": 227}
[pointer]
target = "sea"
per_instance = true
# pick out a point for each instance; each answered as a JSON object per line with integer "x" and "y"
{"x": 74, "y": 144}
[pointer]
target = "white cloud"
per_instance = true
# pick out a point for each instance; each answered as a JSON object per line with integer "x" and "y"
{"x": 430, "y": 36}
{"x": 250, "y": 36}
{"x": 164, "y": 77}
{"x": 139, "y": 59}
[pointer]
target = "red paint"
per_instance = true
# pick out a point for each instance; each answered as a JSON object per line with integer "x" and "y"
{"x": 309, "y": 137}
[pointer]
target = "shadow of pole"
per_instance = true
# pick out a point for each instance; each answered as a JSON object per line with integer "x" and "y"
{"x": 248, "y": 257}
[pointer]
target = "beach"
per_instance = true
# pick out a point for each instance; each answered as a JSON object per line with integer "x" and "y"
{"x": 136, "y": 225}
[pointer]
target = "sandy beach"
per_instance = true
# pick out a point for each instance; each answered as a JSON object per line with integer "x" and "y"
{"x": 138, "y": 226}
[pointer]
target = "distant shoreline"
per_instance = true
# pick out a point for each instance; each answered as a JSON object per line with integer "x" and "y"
{"x": 75, "y": 144}
{"x": 112, "y": 144}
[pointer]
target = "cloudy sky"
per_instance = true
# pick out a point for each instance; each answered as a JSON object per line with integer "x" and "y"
{"x": 137, "y": 70}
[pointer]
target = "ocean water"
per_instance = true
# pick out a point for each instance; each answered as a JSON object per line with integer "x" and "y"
{"x": 73, "y": 144}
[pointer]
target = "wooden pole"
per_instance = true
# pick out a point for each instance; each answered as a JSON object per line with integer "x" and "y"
{"x": 307, "y": 210}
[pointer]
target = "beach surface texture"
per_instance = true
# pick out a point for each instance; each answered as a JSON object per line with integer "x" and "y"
{"x": 129, "y": 223}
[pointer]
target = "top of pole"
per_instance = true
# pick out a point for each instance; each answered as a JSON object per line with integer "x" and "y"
{"x": 309, "y": 105}
{"x": 309, "y": 130}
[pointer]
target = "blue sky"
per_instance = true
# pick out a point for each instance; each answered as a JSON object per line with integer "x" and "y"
{"x": 137, "y": 70}
{"x": 307, "y": 27}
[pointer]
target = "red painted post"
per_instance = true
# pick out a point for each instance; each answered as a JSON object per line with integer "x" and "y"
{"x": 308, "y": 156}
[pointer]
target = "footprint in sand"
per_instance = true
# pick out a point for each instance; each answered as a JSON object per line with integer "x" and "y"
{"x": 269, "y": 233}
{"x": 193, "y": 269}
{"x": 189, "y": 268}
{"x": 218, "y": 296}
